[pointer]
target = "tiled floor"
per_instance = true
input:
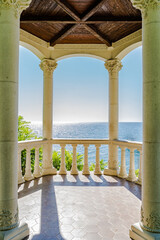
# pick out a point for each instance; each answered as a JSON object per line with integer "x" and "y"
{"x": 79, "y": 207}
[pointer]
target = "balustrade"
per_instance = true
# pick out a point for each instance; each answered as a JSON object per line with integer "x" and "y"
{"x": 86, "y": 167}
{"x": 63, "y": 165}
{"x": 97, "y": 170}
{"x": 36, "y": 144}
{"x": 28, "y": 174}
{"x": 74, "y": 170}
{"x": 37, "y": 170}
{"x": 20, "y": 177}
{"x": 123, "y": 172}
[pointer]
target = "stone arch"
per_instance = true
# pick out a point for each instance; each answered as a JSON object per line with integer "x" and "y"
{"x": 128, "y": 49}
{"x": 80, "y": 55}
{"x": 33, "y": 49}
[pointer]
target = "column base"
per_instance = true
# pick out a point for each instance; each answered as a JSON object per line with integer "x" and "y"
{"x": 21, "y": 180}
{"x": 49, "y": 171}
{"x": 122, "y": 175}
{"x": 62, "y": 172}
{"x": 17, "y": 233}
{"x": 137, "y": 233}
{"x": 86, "y": 172}
{"x": 110, "y": 172}
{"x": 139, "y": 182}
{"x": 75, "y": 172}
{"x": 97, "y": 172}
{"x": 131, "y": 179}
{"x": 28, "y": 178}
{"x": 37, "y": 175}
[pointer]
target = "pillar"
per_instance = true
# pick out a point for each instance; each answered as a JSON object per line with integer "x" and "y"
{"x": 113, "y": 66}
{"x": 9, "y": 57}
{"x": 149, "y": 225}
{"x": 48, "y": 66}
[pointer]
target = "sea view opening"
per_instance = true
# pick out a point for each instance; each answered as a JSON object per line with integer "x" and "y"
{"x": 64, "y": 191}
{"x": 76, "y": 98}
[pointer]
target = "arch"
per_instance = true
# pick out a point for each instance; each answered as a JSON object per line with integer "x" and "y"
{"x": 32, "y": 49}
{"x": 128, "y": 49}
{"x": 80, "y": 55}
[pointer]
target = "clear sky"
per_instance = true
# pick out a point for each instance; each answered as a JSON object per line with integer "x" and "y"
{"x": 80, "y": 91}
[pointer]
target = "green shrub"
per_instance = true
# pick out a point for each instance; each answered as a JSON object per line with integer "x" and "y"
{"x": 102, "y": 165}
{"x": 137, "y": 172}
{"x": 56, "y": 157}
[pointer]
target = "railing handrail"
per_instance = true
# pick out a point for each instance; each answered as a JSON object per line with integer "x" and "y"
{"x": 90, "y": 141}
{"x": 127, "y": 144}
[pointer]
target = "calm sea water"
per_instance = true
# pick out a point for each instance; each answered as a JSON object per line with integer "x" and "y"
{"x": 127, "y": 131}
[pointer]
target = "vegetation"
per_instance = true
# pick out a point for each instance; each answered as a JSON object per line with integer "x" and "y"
{"x": 24, "y": 130}
{"x": 137, "y": 172}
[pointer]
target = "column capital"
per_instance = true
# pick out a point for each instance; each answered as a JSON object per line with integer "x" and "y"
{"x": 48, "y": 65}
{"x": 144, "y": 5}
{"x": 113, "y": 65}
{"x": 17, "y": 5}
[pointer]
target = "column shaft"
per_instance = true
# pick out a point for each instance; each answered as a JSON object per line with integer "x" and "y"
{"x": 113, "y": 66}
{"x": 150, "y": 210}
{"x": 48, "y": 66}
{"x": 9, "y": 53}
{"x": 151, "y": 120}
{"x": 9, "y": 58}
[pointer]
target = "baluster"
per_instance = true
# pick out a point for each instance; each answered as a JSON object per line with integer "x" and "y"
{"x": 20, "y": 177}
{"x": 74, "y": 170}
{"x": 63, "y": 165}
{"x": 28, "y": 174}
{"x": 86, "y": 167}
{"x": 37, "y": 169}
{"x": 97, "y": 170}
{"x": 123, "y": 172}
{"x": 140, "y": 168}
{"x": 132, "y": 176}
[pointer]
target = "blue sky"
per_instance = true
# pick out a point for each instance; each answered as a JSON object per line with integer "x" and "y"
{"x": 80, "y": 89}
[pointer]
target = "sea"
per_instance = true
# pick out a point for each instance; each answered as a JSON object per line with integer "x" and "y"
{"x": 127, "y": 131}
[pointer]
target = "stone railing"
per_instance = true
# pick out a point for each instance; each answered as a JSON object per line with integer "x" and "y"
{"x": 37, "y": 144}
{"x": 132, "y": 146}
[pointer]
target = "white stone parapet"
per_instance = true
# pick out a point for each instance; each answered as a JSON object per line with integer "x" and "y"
{"x": 37, "y": 144}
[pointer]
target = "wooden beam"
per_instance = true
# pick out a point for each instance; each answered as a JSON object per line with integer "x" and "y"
{"x": 81, "y": 22}
{"x": 62, "y": 34}
{"x": 93, "y": 10}
{"x": 68, "y": 9}
{"x": 97, "y": 34}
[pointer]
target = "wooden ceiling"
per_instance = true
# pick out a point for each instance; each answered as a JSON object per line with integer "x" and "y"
{"x": 81, "y": 21}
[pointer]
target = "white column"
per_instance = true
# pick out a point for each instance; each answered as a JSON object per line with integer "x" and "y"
{"x": 149, "y": 226}
{"x": 9, "y": 57}
{"x": 86, "y": 167}
{"x": 113, "y": 66}
{"x": 123, "y": 172}
{"x": 97, "y": 170}
{"x": 48, "y": 66}
{"x": 74, "y": 170}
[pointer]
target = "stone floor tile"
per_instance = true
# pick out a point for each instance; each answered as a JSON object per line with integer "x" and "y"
{"x": 66, "y": 228}
{"x": 93, "y": 236}
{"x": 79, "y": 207}
{"x": 78, "y": 232}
